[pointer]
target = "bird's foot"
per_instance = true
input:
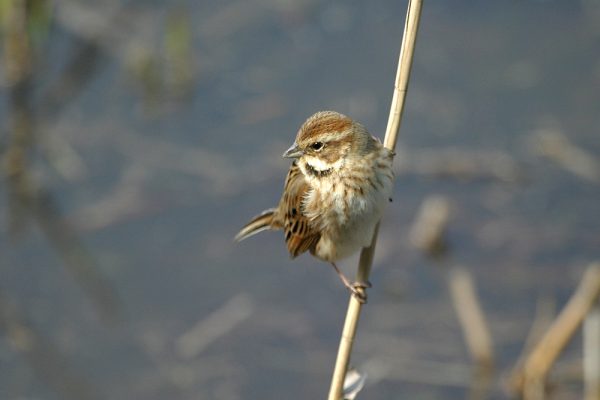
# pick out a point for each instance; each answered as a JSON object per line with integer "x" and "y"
{"x": 363, "y": 285}
{"x": 356, "y": 288}
{"x": 359, "y": 292}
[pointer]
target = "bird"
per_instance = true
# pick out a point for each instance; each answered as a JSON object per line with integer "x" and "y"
{"x": 336, "y": 189}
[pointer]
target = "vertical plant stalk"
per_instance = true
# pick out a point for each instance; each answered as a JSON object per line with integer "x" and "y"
{"x": 366, "y": 256}
{"x": 591, "y": 353}
{"x": 26, "y": 197}
{"x": 472, "y": 319}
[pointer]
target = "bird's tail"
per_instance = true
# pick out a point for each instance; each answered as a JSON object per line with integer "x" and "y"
{"x": 259, "y": 223}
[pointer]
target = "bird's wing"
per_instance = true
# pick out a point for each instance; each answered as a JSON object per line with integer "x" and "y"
{"x": 300, "y": 232}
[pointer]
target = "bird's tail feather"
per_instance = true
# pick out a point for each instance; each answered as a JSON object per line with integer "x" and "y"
{"x": 259, "y": 223}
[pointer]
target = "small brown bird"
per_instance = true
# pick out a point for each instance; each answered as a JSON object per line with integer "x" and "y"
{"x": 334, "y": 193}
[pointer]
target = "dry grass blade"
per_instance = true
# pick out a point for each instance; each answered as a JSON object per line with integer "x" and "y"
{"x": 529, "y": 379}
{"x": 591, "y": 353}
{"x": 554, "y": 145}
{"x": 471, "y": 317}
{"x": 427, "y": 232}
{"x": 214, "y": 326}
{"x": 366, "y": 257}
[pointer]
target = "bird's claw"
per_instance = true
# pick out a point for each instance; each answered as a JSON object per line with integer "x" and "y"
{"x": 363, "y": 285}
{"x": 358, "y": 289}
{"x": 359, "y": 292}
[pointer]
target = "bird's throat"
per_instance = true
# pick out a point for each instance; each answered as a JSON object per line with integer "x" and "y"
{"x": 318, "y": 173}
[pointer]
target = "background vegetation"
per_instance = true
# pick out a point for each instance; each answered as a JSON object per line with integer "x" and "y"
{"x": 138, "y": 136}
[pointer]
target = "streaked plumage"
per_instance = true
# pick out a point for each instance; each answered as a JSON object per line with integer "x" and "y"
{"x": 334, "y": 193}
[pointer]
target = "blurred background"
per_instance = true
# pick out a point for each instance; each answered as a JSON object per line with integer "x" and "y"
{"x": 138, "y": 137}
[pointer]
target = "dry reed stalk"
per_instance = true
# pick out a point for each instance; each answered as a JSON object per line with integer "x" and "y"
{"x": 591, "y": 353}
{"x": 427, "y": 232}
{"x": 545, "y": 313}
{"x": 529, "y": 380}
{"x": 214, "y": 326}
{"x": 472, "y": 320}
{"x": 27, "y": 199}
{"x": 366, "y": 256}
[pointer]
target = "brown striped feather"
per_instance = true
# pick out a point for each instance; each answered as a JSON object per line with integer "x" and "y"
{"x": 321, "y": 122}
{"x": 299, "y": 231}
{"x": 260, "y": 223}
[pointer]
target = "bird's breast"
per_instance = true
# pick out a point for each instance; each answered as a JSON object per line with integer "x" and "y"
{"x": 346, "y": 209}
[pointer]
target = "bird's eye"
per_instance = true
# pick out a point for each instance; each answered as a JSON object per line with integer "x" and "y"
{"x": 316, "y": 146}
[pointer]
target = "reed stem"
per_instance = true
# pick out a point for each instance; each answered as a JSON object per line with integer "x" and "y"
{"x": 366, "y": 256}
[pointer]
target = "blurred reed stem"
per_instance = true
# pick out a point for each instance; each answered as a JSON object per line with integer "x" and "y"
{"x": 27, "y": 199}
{"x": 591, "y": 353}
{"x": 366, "y": 257}
{"x": 529, "y": 379}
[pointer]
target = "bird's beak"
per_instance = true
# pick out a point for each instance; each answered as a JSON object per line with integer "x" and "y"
{"x": 293, "y": 152}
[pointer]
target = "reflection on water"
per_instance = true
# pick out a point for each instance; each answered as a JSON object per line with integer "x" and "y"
{"x": 139, "y": 137}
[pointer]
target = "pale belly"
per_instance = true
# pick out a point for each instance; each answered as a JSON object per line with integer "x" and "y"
{"x": 347, "y": 242}
{"x": 349, "y": 226}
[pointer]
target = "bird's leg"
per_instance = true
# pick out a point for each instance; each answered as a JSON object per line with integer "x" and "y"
{"x": 360, "y": 295}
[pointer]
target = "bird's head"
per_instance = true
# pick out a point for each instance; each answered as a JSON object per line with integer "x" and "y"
{"x": 326, "y": 141}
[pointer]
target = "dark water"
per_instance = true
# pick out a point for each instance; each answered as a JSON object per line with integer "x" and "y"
{"x": 170, "y": 139}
